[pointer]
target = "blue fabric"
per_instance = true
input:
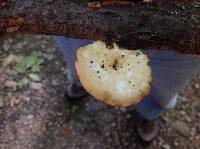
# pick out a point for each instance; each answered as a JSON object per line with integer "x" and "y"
{"x": 170, "y": 72}
{"x": 69, "y": 47}
{"x": 149, "y": 109}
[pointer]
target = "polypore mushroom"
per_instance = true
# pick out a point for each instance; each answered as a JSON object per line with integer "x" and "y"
{"x": 115, "y": 76}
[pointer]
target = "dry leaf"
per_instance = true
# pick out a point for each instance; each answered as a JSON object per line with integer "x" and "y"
{"x": 14, "y": 101}
{"x": 9, "y": 60}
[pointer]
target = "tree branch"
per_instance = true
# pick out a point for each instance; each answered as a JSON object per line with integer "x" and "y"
{"x": 164, "y": 25}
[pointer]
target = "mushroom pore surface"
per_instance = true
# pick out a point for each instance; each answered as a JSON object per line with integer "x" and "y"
{"x": 113, "y": 75}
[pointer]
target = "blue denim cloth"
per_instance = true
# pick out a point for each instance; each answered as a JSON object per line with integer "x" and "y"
{"x": 69, "y": 47}
{"x": 170, "y": 72}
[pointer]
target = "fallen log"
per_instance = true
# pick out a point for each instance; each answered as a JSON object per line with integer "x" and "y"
{"x": 164, "y": 25}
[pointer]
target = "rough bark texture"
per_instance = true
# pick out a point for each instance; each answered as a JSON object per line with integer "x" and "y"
{"x": 164, "y": 24}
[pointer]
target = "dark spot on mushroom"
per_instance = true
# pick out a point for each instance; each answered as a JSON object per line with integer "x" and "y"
{"x": 137, "y": 54}
{"x": 102, "y": 66}
{"x": 138, "y": 62}
{"x": 129, "y": 81}
{"x": 128, "y": 64}
{"x": 140, "y": 90}
{"x": 91, "y": 62}
{"x": 115, "y": 63}
{"x": 105, "y": 54}
{"x": 99, "y": 77}
{"x": 122, "y": 56}
{"x": 107, "y": 60}
{"x": 102, "y": 61}
{"x": 129, "y": 69}
{"x": 97, "y": 71}
{"x": 133, "y": 85}
{"x": 90, "y": 66}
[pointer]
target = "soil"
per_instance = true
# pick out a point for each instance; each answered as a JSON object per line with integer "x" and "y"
{"x": 39, "y": 117}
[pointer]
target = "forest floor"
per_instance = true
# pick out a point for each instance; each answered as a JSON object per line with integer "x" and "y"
{"x": 38, "y": 117}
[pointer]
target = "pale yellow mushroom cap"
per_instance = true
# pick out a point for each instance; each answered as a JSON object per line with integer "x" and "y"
{"x": 115, "y": 76}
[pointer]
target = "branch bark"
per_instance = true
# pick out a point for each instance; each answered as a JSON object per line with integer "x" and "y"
{"x": 164, "y": 24}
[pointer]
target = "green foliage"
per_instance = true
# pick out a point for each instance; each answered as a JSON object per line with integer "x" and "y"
{"x": 29, "y": 66}
{"x": 23, "y": 83}
{"x": 34, "y": 77}
{"x": 26, "y": 63}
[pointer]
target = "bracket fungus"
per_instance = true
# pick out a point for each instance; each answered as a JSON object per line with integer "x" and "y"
{"x": 118, "y": 77}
